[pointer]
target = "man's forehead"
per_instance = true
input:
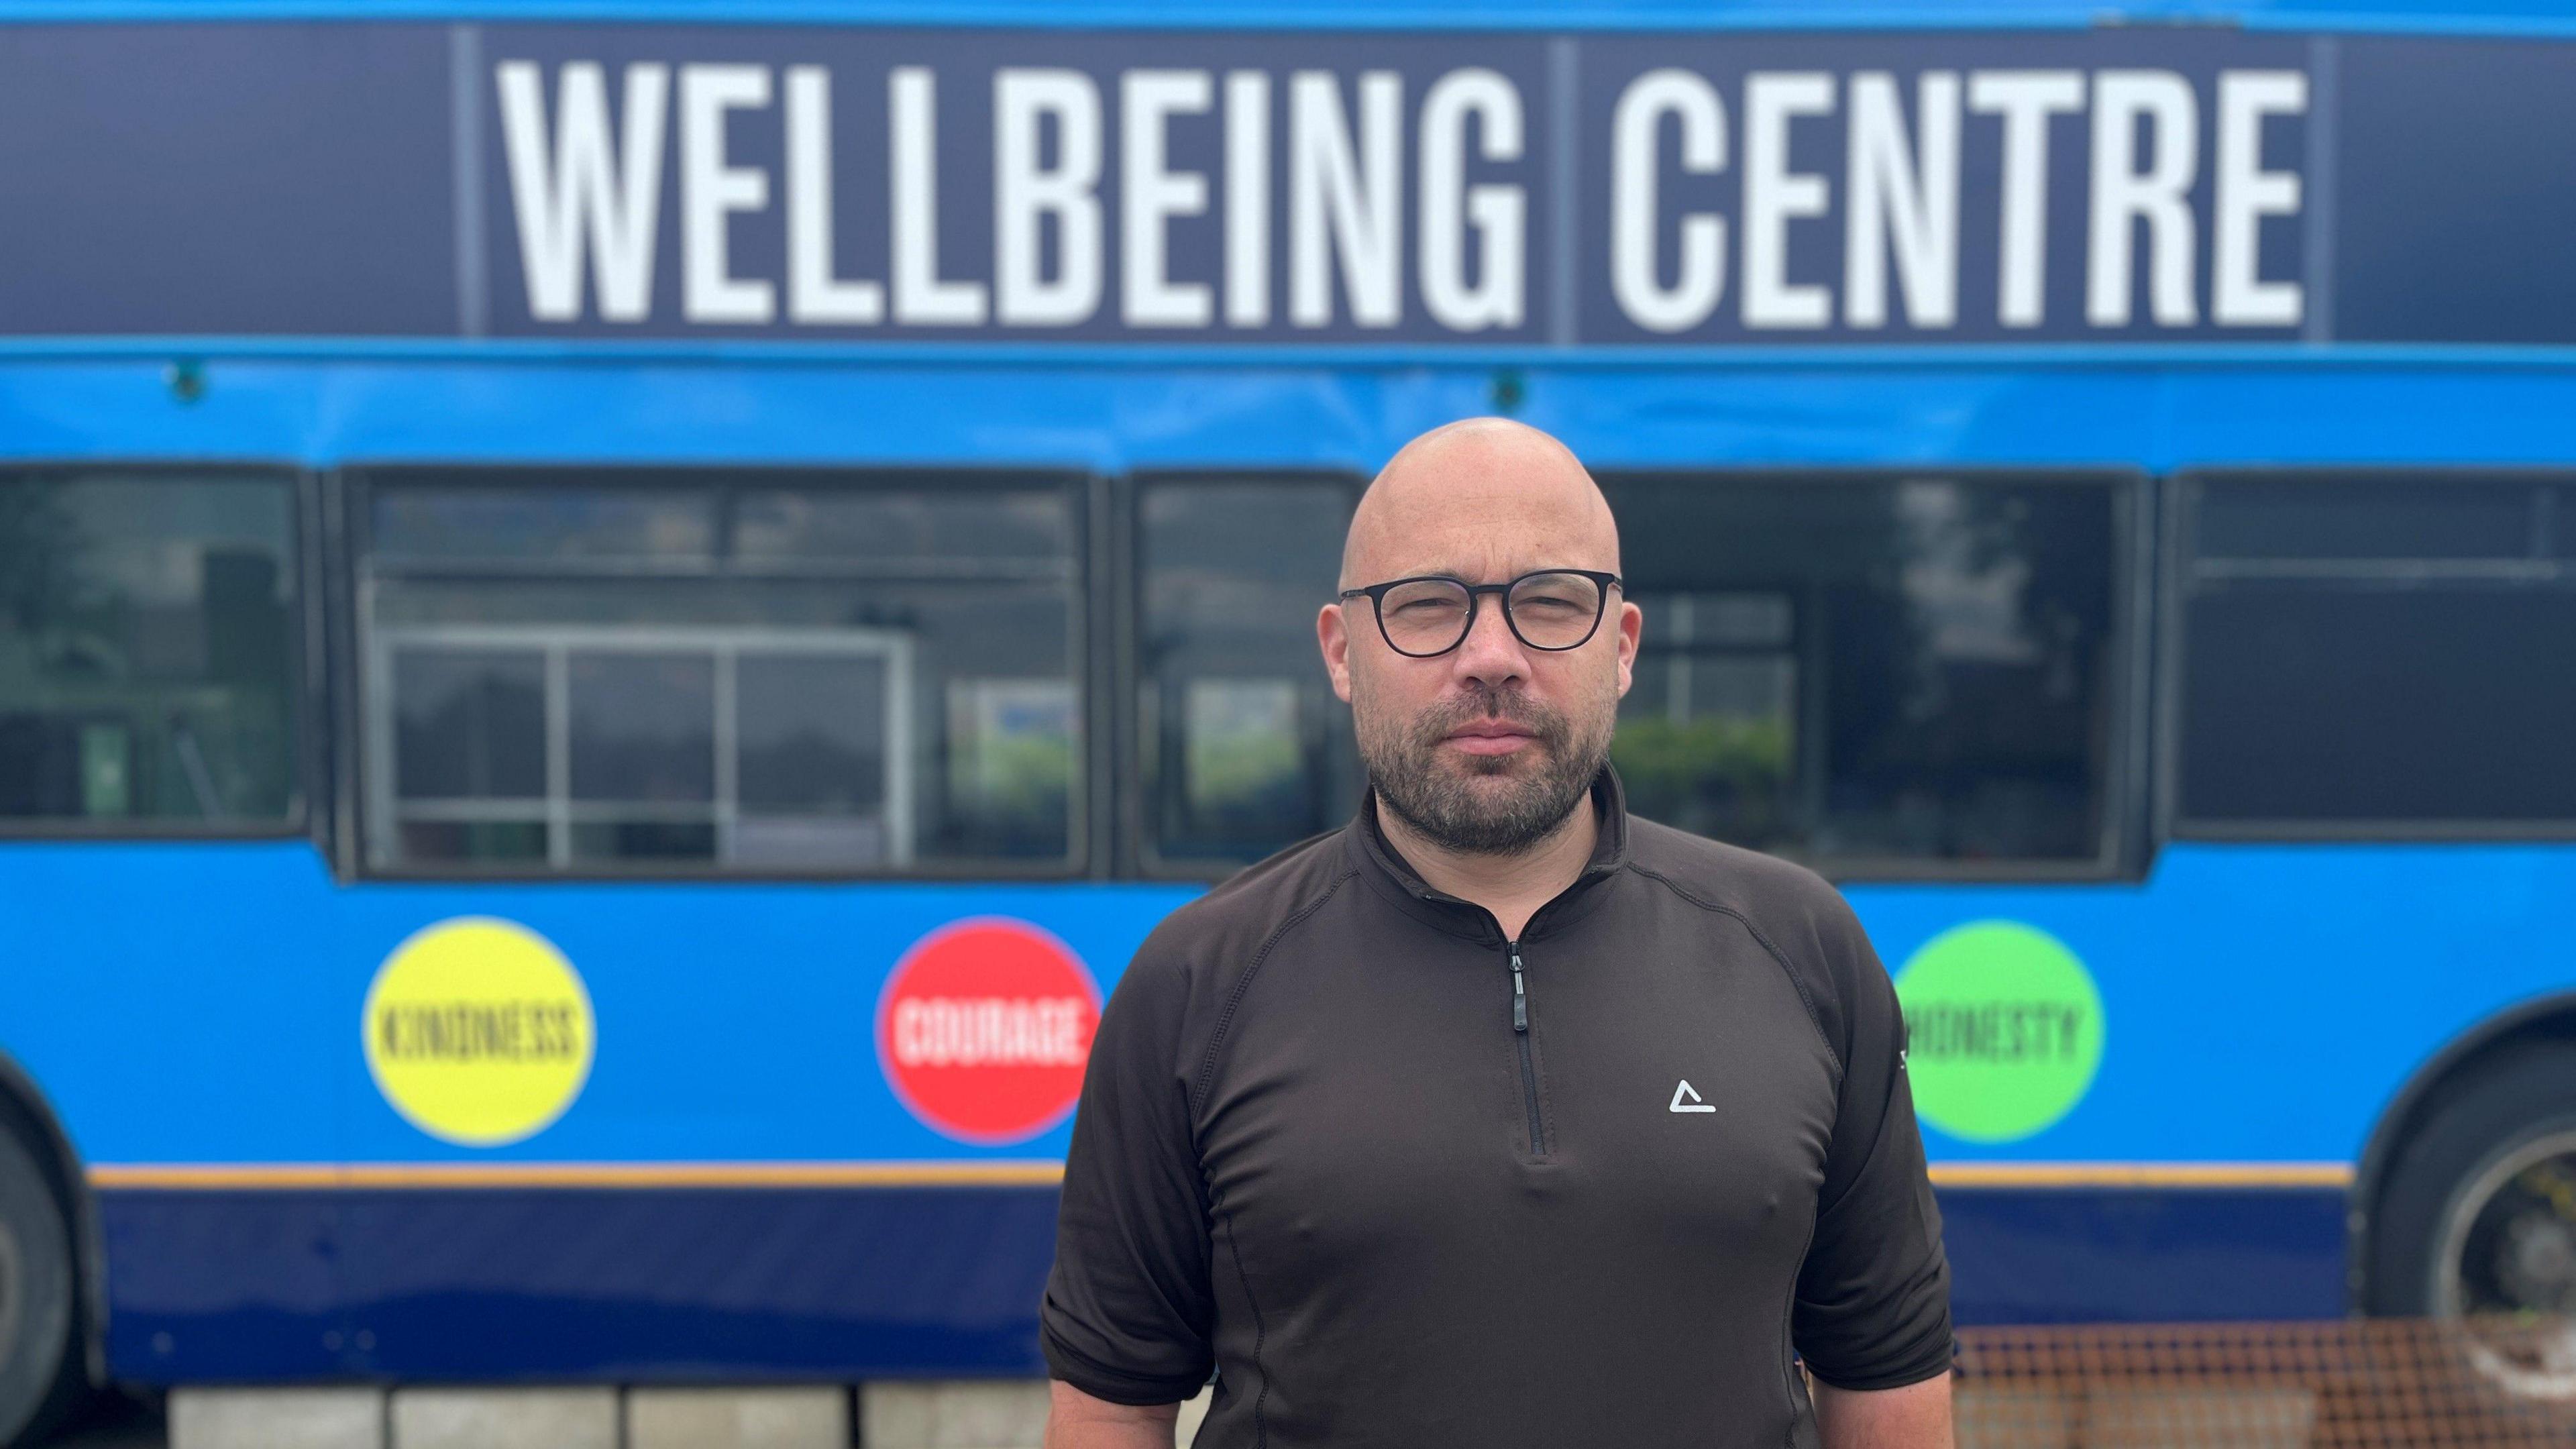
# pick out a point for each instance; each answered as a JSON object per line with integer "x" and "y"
{"x": 1489, "y": 451}
{"x": 1482, "y": 501}
{"x": 1480, "y": 555}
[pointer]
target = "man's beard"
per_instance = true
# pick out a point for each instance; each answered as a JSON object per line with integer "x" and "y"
{"x": 1456, "y": 812}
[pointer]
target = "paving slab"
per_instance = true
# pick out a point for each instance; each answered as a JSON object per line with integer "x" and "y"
{"x": 793, "y": 1417}
{"x": 316, "y": 1418}
{"x": 954, "y": 1414}
{"x": 505, "y": 1418}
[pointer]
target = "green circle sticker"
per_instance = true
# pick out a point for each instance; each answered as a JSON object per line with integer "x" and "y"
{"x": 2004, "y": 1029}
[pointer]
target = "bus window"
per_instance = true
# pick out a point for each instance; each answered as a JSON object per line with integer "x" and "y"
{"x": 1891, "y": 674}
{"x": 2291, "y": 517}
{"x": 1706, "y": 731}
{"x": 466, "y": 523}
{"x": 677, "y": 670}
{"x": 2403, "y": 676}
{"x": 1245, "y": 749}
{"x": 147, "y": 648}
{"x": 470, "y": 724}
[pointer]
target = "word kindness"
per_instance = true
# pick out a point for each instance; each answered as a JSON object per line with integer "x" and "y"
{"x": 1456, "y": 201}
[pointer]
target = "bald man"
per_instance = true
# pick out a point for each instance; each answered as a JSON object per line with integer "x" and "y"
{"x": 1499, "y": 1118}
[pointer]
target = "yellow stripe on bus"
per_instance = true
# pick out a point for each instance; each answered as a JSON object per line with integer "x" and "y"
{"x": 575, "y": 1174}
{"x": 2142, "y": 1174}
{"x": 228, "y": 1175}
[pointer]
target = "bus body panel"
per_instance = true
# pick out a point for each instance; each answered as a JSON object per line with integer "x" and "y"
{"x": 1111, "y": 414}
{"x": 2263, "y": 1003}
{"x": 736, "y": 1020}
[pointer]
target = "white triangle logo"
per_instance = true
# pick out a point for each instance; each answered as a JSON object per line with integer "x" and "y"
{"x": 1684, "y": 1089}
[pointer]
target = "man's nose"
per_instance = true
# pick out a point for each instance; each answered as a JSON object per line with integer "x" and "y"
{"x": 1491, "y": 653}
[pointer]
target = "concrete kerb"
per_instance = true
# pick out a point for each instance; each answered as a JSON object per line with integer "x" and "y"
{"x": 504, "y": 1418}
{"x": 954, "y": 1414}
{"x": 974, "y": 1414}
{"x": 277, "y": 1418}
{"x": 795, "y": 1417}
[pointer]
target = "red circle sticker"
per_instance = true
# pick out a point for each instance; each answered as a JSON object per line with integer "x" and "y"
{"x": 984, "y": 1027}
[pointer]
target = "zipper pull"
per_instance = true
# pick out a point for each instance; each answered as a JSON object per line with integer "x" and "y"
{"x": 1520, "y": 996}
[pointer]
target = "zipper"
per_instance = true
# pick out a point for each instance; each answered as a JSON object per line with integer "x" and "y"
{"x": 1520, "y": 1036}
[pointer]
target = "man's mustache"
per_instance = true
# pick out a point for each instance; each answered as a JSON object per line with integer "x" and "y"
{"x": 1510, "y": 707}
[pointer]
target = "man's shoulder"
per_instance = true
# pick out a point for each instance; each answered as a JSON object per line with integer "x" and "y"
{"x": 1240, "y": 913}
{"x": 1794, "y": 914}
{"x": 1175, "y": 990}
{"x": 1730, "y": 878}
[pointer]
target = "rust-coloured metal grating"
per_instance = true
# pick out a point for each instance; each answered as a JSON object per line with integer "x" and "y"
{"x": 2359, "y": 1384}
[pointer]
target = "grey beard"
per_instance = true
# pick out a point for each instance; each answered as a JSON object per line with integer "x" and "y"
{"x": 1448, "y": 812}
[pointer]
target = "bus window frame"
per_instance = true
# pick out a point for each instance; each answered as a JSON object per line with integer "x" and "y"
{"x": 2123, "y": 849}
{"x": 354, "y": 487}
{"x": 307, "y": 769}
{"x": 1139, "y": 858}
{"x": 2178, "y": 573}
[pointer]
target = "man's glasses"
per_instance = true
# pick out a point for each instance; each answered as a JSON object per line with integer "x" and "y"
{"x": 1430, "y": 614}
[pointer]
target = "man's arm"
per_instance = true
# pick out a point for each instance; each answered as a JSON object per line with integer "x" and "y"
{"x": 1916, "y": 1416}
{"x": 1076, "y": 1420}
{"x": 1129, "y": 1311}
{"x": 1872, "y": 1315}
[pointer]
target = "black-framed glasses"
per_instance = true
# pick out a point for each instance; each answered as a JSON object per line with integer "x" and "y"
{"x": 1428, "y": 614}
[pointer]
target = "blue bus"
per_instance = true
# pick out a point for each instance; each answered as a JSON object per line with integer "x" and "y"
{"x": 615, "y": 618}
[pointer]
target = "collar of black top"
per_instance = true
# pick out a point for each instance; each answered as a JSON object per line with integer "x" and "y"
{"x": 1387, "y": 867}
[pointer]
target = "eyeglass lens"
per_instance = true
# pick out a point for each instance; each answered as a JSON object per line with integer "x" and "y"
{"x": 1547, "y": 611}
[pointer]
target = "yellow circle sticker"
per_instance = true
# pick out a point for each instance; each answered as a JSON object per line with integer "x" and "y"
{"x": 478, "y": 1031}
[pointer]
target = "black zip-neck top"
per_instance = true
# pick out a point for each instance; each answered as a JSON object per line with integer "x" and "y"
{"x": 1401, "y": 1181}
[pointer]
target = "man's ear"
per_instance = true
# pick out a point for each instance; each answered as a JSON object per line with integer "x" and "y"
{"x": 1333, "y": 636}
{"x": 1632, "y": 626}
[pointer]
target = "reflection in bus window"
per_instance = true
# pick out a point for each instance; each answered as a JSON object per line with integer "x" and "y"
{"x": 812, "y": 759}
{"x": 1245, "y": 747}
{"x": 147, "y": 645}
{"x": 2290, "y": 517}
{"x": 558, "y": 524}
{"x": 1872, "y": 670}
{"x": 1011, "y": 750}
{"x": 1710, "y": 723}
{"x": 778, "y": 692}
{"x": 470, "y": 724}
{"x": 2413, "y": 680}
{"x": 901, "y": 526}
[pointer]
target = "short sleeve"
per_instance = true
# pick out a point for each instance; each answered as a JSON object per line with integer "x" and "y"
{"x": 1873, "y": 1308}
{"x": 1128, "y": 1311}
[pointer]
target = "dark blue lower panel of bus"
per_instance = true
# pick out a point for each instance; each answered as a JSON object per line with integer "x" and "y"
{"x": 728, "y": 1283}
{"x": 844, "y": 1284}
{"x": 2144, "y": 1255}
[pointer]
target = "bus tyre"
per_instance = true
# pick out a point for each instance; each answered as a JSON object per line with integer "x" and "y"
{"x": 41, "y": 1374}
{"x": 2478, "y": 1220}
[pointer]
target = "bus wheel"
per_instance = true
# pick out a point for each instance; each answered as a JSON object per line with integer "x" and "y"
{"x": 2477, "y": 1228}
{"x": 41, "y": 1374}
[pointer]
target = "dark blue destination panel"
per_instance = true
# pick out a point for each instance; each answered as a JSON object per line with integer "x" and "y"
{"x": 848, "y": 184}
